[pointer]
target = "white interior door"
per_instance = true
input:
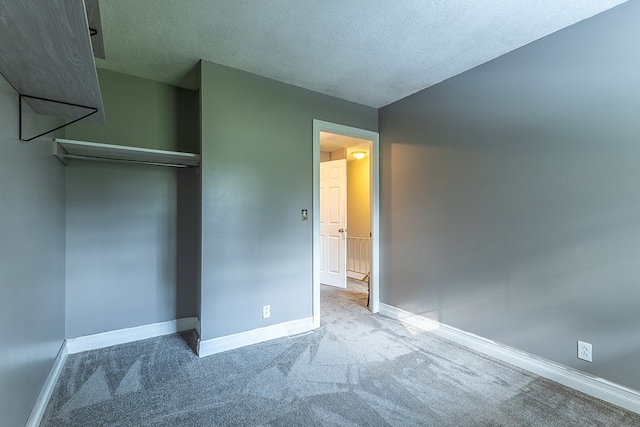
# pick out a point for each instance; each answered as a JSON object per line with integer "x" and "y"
{"x": 333, "y": 223}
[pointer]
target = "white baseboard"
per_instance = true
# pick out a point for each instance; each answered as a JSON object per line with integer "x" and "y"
{"x": 255, "y": 336}
{"x": 35, "y": 417}
{"x": 597, "y": 387}
{"x": 122, "y": 336}
{"x": 93, "y": 342}
{"x": 356, "y": 275}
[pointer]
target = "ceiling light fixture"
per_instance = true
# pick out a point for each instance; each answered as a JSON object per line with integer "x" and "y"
{"x": 359, "y": 154}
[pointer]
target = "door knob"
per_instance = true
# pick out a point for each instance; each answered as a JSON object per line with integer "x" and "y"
{"x": 341, "y": 230}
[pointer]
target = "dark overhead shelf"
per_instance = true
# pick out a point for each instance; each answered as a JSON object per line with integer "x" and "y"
{"x": 95, "y": 28}
{"x": 46, "y": 54}
{"x": 66, "y": 149}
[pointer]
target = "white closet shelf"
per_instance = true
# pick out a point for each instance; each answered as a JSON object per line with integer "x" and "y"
{"x": 66, "y": 149}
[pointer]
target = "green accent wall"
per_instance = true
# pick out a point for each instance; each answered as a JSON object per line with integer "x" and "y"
{"x": 142, "y": 113}
{"x": 132, "y": 252}
{"x": 257, "y": 164}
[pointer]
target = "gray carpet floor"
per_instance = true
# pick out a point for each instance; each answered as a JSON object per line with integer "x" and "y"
{"x": 358, "y": 369}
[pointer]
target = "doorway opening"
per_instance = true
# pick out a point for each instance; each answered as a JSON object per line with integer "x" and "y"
{"x": 345, "y": 235}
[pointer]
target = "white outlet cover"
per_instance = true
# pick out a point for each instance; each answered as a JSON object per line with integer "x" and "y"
{"x": 266, "y": 311}
{"x": 585, "y": 351}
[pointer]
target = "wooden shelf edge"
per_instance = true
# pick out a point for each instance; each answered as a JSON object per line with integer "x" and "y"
{"x": 66, "y": 149}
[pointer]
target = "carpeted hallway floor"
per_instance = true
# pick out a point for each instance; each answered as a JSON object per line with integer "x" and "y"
{"x": 356, "y": 370}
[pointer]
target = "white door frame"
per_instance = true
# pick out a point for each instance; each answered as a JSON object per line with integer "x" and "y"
{"x": 374, "y": 137}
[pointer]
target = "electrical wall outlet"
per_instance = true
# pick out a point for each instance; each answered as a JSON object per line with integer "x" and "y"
{"x": 585, "y": 351}
{"x": 266, "y": 311}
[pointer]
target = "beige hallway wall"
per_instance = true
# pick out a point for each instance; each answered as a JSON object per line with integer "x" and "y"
{"x": 358, "y": 198}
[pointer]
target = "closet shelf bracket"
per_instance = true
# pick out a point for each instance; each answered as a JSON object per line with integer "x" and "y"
{"x": 92, "y": 110}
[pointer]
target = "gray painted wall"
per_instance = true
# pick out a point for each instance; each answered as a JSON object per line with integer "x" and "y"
{"x": 132, "y": 230}
{"x": 32, "y": 272}
{"x": 511, "y": 198}
{"x": 256, "y": 177}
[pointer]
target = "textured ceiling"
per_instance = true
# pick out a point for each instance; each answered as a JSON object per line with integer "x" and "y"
{"x": 330, "y": 142}
{"x": 368, "y": 51}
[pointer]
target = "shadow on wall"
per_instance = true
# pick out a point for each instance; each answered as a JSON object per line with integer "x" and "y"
{"x": 188, "y": 209}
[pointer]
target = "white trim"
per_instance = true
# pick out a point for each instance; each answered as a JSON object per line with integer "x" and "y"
{"x": 315, "y": 218}
{"x": 122, "y": 336}
{"x": 255, "y": 336}
{"x": 597, "y": 387}
{"x": 35, "y": 417}
{"x": 374, "y": 137}
{"x": 374, "y": 279}
{"x": 93, "y": 342}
